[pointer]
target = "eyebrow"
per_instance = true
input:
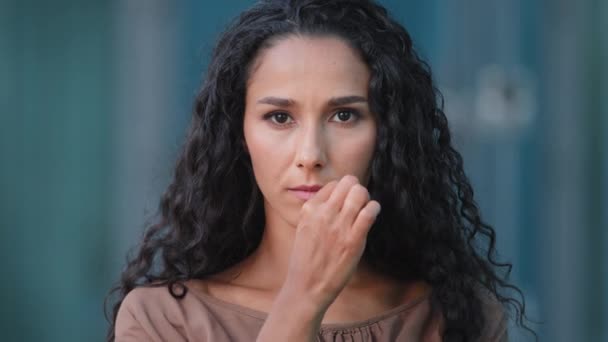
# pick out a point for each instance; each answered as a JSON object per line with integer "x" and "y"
{"x": 334, "y": 101}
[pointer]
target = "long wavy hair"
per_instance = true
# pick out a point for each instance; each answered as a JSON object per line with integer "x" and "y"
{"x": 211, "y": 215}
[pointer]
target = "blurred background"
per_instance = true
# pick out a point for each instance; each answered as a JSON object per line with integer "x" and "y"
{"x": 95, "y": 97}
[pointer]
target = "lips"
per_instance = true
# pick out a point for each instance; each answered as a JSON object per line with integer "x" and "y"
{"x": 312, "y": 188}
{"x": 305, "y": 192}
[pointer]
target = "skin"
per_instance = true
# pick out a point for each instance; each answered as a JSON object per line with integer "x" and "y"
{"x": 308, "y": 262}
{"x": 317, "y": 142}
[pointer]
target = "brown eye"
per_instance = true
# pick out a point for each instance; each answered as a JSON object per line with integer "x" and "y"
{"x": 278, "y": 118}
{"x": 345, "y": 116}
{"x": 281, "y": 118}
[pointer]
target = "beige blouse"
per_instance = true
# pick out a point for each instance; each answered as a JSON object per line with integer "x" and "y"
{"x": 152, "y": 314}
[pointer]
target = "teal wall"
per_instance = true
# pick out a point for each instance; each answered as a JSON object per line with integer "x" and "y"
{"x": 95, "y": 98}
{"x": 55, "y": 81}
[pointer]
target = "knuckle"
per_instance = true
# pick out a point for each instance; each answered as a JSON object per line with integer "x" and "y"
{"x": 353, "y": 241}
{"x": 367, "y": 215}
{"x": 349, "y": 207}
{"x": 361, "y": 192}
{"x": 347, "y": 179}
{"x": 307, "y": 207}
{"x": 357, "y": 197}
{"x": 325, "y": 216}
{"x": 332, "y": 203}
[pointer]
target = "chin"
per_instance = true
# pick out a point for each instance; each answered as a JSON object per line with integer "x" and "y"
{"x": 291, "y": 215}
{"x": 283, "y": 214}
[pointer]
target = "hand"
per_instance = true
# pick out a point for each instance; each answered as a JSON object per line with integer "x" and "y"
{"x": 330, "y": 240}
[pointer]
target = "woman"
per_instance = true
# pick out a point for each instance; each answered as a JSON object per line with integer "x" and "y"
{"x": 318, "y": 196}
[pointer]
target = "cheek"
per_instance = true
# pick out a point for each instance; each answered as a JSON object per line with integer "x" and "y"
{"x": 266, "y": 156}
{"x": 354, "y": 156}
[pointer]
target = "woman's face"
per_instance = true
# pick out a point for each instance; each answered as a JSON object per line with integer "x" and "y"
{"x": 307, "y": 120}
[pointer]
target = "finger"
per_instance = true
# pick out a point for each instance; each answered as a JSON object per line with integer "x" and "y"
{"x": 336, "y": 199}
{"x": 323, "y": 194}
{"x": 357, "y": 198}
{"x": 365, "y": 219}
{"x": 311, "y": 206}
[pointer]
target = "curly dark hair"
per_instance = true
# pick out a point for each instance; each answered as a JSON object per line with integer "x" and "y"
{"x": 211, "y": 216}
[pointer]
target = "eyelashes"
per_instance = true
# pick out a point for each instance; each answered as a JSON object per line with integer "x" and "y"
{"x": 343, "y": 117}
{"x": 278, "y": 118}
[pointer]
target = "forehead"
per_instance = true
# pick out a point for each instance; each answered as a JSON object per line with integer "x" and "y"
{"x": 302, "y": 62}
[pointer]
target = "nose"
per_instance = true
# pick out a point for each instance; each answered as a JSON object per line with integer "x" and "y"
{"x": 310, "y": 149}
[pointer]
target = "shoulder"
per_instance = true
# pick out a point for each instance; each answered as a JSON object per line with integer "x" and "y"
{"x": 144, "y": 298}
{"x": 496, "y": 319}
{"x": 150, "y": 313}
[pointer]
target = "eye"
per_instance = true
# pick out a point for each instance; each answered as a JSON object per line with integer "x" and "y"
{"x": 278, "y": 118}
{"x": 345, "y": 116}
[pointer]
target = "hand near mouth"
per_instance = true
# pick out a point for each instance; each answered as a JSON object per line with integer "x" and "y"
{"x": 330, "y": 240}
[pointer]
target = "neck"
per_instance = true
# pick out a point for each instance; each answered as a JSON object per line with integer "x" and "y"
{"x": 267, "y": 267}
